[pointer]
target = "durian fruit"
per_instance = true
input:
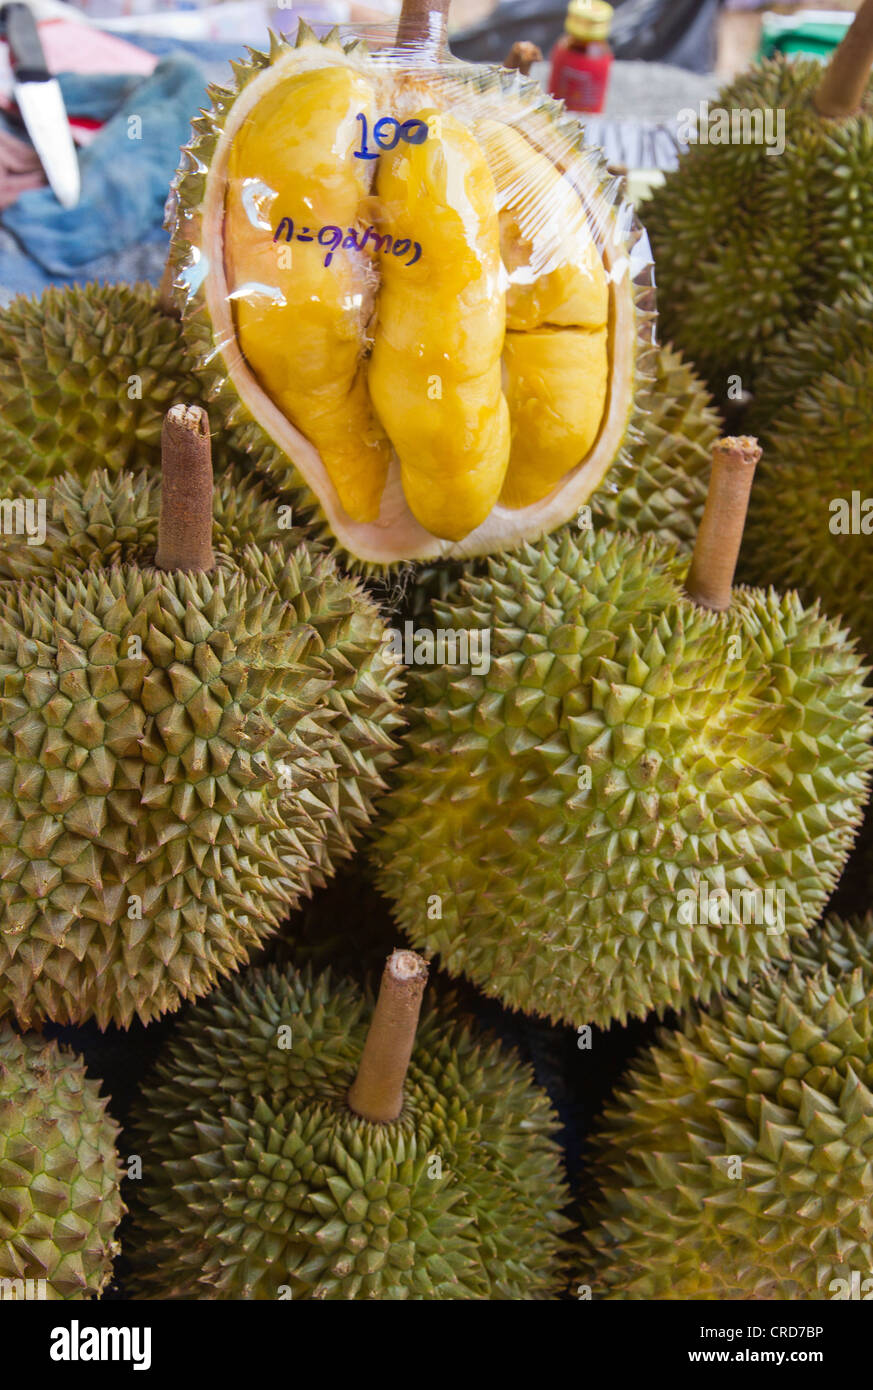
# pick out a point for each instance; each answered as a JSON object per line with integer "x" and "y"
{"x": 364, "y": 255}
{"x": 734, "y": 1162}
{"x": 749, "y": 239}
{"x": 811, "y": 516}
{"x": 613, "y": 799}
{"x": 86, "y": 376}
{"x": 266, "y": 1177}
{"x": 60, "y": 1176}
{"x": 112, "y": 519}
{"x": 188, "y": 746}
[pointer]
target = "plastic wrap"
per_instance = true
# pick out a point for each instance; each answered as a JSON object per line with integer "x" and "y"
{"x": 426, "y": 291}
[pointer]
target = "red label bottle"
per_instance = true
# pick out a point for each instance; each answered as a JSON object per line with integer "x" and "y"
{"x": 582, "y": 57}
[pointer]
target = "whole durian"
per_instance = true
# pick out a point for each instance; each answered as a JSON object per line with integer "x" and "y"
{"x": 811, "y": 515}
{"x": 443, "y": 337}
{"x": 734, "y": 1162}
{"x": 266, "y": 1177}
{"x": 595, "y": 754}
{"x": 749, "y": 239}
{"x": 60, "y": 1176}
{"x": 188, "y": 746}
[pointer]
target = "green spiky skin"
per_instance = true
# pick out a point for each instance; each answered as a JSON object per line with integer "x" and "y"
{"x": 163, "y": 805}
{"x": 664, "y": 490}
{"x": 747, "y": 244}
{"x": 112, "y": 519}
{"x": 662, "y": 493}
{"x": 226, "y": 409}
{"x": 742, "y": 764}
{"x": 781, "y": 1079}
{"x": 60, "y": 1177}
{"x": 87, "y": 374}
{"x": 258, "y": 1178}
{"x": 819, "y": 448}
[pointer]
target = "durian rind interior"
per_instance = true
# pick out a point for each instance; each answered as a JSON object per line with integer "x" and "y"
{"x": 419, "y": 396}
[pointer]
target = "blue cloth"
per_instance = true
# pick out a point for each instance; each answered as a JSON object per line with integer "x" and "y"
{"x": 124, "y": 180}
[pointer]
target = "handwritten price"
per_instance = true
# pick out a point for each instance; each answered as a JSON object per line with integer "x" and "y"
{"x": 411, "y": 132}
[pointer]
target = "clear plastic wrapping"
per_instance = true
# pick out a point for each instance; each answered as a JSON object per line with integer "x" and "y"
{"x": 422, "y": 286}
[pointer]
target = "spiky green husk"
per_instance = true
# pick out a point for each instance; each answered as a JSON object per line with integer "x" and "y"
{"x": 730, "y": 750}
{"x": 818, "y": 451}
{"x": 734, "y": 1162}
{"x": 747, "y": 244}
{"x": 87, "y": 374}
{"x": 186, "y": 259}
{"x": 182, "y": 757}
{"x": 60, "y": 1177}
{"x": 112, "y": 519}
{"x": 258, "y": 1178}
{"x": 664, "y": 490}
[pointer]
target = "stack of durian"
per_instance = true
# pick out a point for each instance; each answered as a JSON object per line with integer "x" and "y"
{"x": 406, "y": 361}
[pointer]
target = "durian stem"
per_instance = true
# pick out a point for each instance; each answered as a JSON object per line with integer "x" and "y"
{"x": 376, "y": 1093}
{"x": 841, "y": 89}
{"x": 720, "y": 534}
{"x": 522, "y": 56}
{"x": 423, "y": 24}
{"x": 185, "y": 526}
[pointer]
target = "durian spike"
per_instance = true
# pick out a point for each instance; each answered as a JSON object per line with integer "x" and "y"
{"x": 845, "y": 79}
{"x": 720, "y": 534}
{"x": 185, "y": 525}
{"x": 376, "y": 1093}
{"x": 423, "y": 24}
{"x": 522, "y": 56}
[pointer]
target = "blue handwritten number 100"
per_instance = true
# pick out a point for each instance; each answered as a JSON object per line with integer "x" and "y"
{"x": 413, "y": 132}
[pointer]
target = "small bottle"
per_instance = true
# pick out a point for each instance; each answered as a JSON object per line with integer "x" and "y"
{"x": 582, "y": 57}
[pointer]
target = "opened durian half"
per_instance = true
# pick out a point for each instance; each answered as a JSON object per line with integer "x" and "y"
{"x": 410, "y": 276}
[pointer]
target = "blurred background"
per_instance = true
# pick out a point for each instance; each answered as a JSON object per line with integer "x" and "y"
{"x": 132, "y": 73}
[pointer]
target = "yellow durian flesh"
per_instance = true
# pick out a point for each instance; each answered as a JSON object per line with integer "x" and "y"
{"x": 301, "y": 324}
{"x": 556, "y": 274}
{"x": 556, "y": 355}
{"x": 435, "y": 377}
{"x": 286, "y": 348}
{"x": 556, "y": 383}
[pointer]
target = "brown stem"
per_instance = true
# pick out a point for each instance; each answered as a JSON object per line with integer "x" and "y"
{"x": 523, "y": 55}
{"x": 185, "y": 526}
{"x": 377, "y": 1090}
{"x": 841, "y": 90}
{"x": 720, "y": 534}
{"x": 423, "y": 24}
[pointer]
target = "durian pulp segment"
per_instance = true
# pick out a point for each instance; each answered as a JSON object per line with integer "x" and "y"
{"x": 301, "y": 323}
{"x": 557, "y": 382}
{"x": 435, "y": 374}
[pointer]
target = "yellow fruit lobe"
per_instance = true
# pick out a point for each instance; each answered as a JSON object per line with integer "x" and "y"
{"x": 556, "y": 383}
{"x": 435, "y": 375}
{"x": 556, "y": 355}
{"x": 302, "y": 307}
